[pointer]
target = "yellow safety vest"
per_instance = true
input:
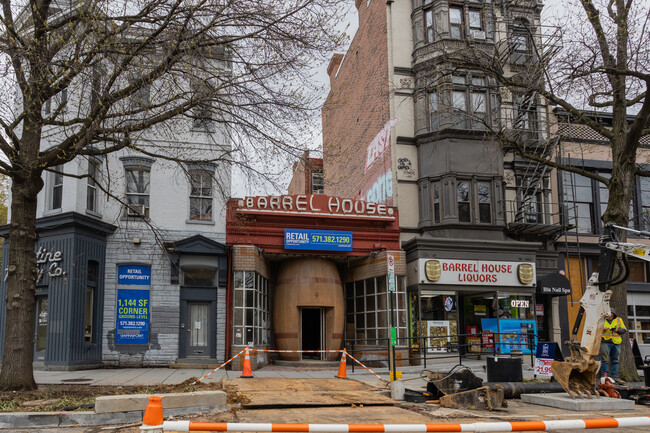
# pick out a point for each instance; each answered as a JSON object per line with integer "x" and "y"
{"x": 610, "y": 334}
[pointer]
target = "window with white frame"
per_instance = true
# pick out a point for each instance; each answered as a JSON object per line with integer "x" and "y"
{"x": 200, "y": 195}
{"x": 251, "y": 314}
{"x": 638, "y": 316}
{"x": 137, "y": 191}
{"x": 55, "y": 198}
{"x": 317, "y": 182}
{"x": 367, "y": 311}
{"x": 91, "y": 186}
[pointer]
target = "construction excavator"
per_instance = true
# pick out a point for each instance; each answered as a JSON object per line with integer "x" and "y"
{"x": 577, "y": 374}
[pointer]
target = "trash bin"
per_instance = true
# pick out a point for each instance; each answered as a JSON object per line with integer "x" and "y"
{"x": 501, "y": 369}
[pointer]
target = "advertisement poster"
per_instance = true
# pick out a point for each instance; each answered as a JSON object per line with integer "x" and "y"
{"x": 132, "y": 317}
{"x": 318, "y": 240}
{"x": 489, "y": 326}
{"x": 438, "y": 332}
{"x": 544, "y": 357}
{"x": 517, "y": 335}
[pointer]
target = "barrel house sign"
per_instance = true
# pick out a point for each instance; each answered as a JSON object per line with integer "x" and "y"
{"x": 477, "y": 272}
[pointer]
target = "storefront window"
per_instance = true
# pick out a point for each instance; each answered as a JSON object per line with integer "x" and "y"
{"x": 639, "y": 321}
{"x": 437, "y": 323}
{"x": 251, "y": 318}
{"x": 367, "y": 311}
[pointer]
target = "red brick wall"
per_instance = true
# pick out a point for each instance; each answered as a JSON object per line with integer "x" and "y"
{"x": 357, "y": 107}
{"x": 301, "y": 179}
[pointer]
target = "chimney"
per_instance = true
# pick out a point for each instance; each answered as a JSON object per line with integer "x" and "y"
{"x": 333, "y": 67}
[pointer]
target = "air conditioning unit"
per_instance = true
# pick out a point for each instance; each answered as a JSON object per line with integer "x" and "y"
{"x": 137, "y": 210}
{"x": 477, "y": 34}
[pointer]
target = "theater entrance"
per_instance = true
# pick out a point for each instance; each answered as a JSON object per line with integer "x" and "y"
{"x": 312, "y": 325}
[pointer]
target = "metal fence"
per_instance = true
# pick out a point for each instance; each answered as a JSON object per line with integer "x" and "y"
{"x": 431, "y": 350}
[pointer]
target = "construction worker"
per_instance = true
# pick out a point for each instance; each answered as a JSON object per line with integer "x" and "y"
{"x": 610, "y": 347}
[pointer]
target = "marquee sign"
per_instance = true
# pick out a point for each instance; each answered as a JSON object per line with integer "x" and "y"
{"x": 476, "y": 272}
{"x": 314, "y": 204}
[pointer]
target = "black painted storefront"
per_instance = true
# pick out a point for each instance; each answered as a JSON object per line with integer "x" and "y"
{"x": 71, "y": 251}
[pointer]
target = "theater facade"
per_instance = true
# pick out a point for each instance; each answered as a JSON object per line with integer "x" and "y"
{"x": 309, "y": 272}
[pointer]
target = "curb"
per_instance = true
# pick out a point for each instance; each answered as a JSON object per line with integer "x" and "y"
{"x": 16, "y": 420}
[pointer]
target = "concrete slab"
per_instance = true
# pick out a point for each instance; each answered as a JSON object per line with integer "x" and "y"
{"x": 562, "y": 400}
{"x": 126, "y": 403}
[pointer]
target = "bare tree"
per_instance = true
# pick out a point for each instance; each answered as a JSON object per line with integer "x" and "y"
{"x": 595, "y": 58}
{"x": 93, "y": 77}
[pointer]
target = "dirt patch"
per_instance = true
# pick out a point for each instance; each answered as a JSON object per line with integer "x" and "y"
{"x": 48, "y": 398}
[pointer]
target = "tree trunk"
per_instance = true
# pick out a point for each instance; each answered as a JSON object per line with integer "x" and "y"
{"x": 620, "y": 196}
{"x": 18, "y": 354}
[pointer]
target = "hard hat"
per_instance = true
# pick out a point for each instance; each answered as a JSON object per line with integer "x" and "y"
{"x": 613, "y": 311}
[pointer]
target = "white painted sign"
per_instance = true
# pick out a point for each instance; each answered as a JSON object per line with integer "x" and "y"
{"x": 380, "y": 143}
{"x": 473, "y": 272}
{"x": 520, "y": 303}
{"x": 543, "y": 367}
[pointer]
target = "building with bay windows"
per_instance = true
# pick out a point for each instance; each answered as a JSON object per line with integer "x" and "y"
{"x": 405, "y": 126}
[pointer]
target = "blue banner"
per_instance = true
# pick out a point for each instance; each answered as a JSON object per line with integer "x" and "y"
{"x": 545, "y": 351}
{"x": 319, "y": 240}
{"x": 132, "y": 317}
{"x": 518, "y": 335}
{"x": 134, "y": 275}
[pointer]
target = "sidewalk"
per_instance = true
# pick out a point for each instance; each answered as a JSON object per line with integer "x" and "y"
{"x": 171, "y": 376}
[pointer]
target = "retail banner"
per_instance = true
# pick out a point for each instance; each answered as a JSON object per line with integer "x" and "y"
{"x": 132, "y": 317}
{"x": 138, "y": 275}
{"x": 318, "y": 240}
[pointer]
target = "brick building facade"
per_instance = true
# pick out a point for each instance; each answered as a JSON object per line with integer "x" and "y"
{"x": 403, "y": 125}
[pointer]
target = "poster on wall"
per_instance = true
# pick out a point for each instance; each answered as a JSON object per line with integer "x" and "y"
{"x": 132, "y": 317}
{"x": 133, "y": 306}
{"x": 517, "y": 335}
{"x": 488, "y": 328}
{"x": 438, "y": 333}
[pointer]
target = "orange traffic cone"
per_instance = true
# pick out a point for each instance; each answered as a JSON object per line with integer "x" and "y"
{"x": 153, "y": 414}
{"x": 342, "y": 367}
{"x": 246, "y": 370}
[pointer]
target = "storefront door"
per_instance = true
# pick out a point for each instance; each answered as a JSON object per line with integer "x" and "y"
{"x": 197, "y": 331}
{"x": 312, "y": 331}
{"x": 40, "y": 340}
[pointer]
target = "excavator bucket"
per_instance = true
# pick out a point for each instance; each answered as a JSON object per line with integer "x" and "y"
{"x": 577, "y": 378}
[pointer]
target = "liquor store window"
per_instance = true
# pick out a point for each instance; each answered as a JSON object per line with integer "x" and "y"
{"x": 251, "y": 319}
{"x": 367, "y": 310}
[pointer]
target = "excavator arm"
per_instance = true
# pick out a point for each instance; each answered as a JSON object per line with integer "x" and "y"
{"x": 577, "y": 374}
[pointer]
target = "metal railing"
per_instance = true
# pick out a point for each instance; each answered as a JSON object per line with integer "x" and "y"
{"x": 423, "y": 350}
